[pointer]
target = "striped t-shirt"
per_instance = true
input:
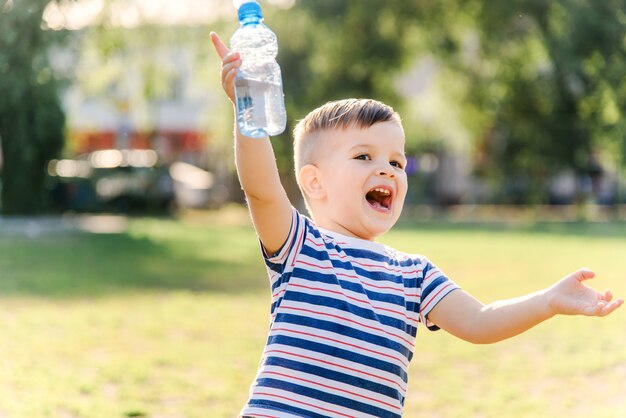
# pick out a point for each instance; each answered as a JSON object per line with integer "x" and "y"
{"x": 344, "y": 316}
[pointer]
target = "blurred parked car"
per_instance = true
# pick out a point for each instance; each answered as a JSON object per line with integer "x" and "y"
{"x": 126, "y": 181}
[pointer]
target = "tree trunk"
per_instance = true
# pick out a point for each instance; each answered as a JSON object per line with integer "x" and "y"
{"x": 31, "y": 135}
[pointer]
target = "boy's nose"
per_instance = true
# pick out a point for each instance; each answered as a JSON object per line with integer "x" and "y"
{"x": 386, "y": 173}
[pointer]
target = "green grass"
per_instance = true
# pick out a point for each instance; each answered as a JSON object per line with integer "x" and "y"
{"x": 169, "y": 320}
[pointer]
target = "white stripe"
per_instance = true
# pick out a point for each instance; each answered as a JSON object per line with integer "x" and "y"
{"x": 304, "y": 402}
{"x": 252, "y": 411}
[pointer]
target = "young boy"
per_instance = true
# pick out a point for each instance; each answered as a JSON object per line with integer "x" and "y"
{"x": 345, "y": 309}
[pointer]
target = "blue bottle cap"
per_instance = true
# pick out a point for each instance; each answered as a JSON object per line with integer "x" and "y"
{"x": 250, "y": 12}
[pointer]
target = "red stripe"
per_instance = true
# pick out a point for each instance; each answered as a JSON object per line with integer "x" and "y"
{"x": 310, "y": 240}
{"x": 402, "y": 360}
{"x": 316, "y": 265}
{"x": 433, "y": 298}
{"x": 432, "y": 273}
{"x": 312, "y": 382}
{"x": 323, "y": 244}
{"x": 271, "y": 395}
{"x": 340, "y": 366}
{"x": 347, "y": 275}
{"x": 276, "y": 295}
{"x": 300, "y": 241}
{"x": 351, "y": 321}
{"x": 368, "y": 284}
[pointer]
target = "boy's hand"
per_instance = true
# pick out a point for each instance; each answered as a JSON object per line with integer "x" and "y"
{"x": 570, "y": 296}
{"x": 231, "y": 61}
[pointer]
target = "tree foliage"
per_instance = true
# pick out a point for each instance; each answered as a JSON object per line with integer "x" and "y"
{"x": 31, "y": 117}
{"x": 559, "y": 68}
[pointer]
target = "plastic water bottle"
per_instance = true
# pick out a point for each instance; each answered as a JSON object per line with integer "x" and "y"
{"x": 258, "y": 86}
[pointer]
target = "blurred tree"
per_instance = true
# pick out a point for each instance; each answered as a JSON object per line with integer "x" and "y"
{"x": 551, "y": 79}
{"x": 31, "y": 118}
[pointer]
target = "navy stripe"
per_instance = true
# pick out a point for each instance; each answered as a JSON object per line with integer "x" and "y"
{"x": 278, "y": 406}
{"x": 275, "y": 267}
{"x": 366, "y": 254}
{"x": 343, "y": 331}
{"x": 284, "y": 278}
{"x": 410, "y": 262}
{"x": 327, "y": 397}
{"x": 432, "y": 286}
{"x": 346, "y": 306}
{"x": 357, "y": 382}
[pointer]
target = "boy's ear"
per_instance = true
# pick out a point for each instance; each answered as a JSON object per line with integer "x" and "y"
{"x": 311, "y": 182}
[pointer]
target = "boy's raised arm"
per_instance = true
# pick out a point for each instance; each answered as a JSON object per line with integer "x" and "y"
{"x": 465, "y": 317}
{"x": 268, "y": 203}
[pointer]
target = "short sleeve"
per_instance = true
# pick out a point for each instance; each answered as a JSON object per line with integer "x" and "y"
{"x": 280, "y": 262}
{"x": 435, "y": 286}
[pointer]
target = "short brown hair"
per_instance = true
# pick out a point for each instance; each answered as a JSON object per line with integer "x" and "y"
{"x": 340, "y": 114}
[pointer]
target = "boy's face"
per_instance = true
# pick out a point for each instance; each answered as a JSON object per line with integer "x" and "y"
{"x": 363, "y": 180}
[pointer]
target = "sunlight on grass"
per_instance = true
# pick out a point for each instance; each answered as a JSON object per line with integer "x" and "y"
{"x": 174, "y": 354}
{"x": 169, "y": 320}
{"x": 570, "y": 366}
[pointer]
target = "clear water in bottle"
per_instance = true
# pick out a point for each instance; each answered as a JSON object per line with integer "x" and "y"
{"x": 258, "y": 85}
{"x": 260, "y": 103}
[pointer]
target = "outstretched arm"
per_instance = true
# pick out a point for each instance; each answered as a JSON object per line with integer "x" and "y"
{"x": 467, "y": 318}
{"x": 268, "y": 203}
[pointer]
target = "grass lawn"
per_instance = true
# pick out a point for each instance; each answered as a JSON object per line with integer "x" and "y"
{"x": 169, "y": 320}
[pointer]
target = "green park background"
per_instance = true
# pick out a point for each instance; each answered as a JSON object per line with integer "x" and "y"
{"x": 166, "y": 316}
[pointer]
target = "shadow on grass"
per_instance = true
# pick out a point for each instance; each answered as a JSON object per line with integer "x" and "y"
{"x": 91, "y": 265}
{"x": 170, "y": 255}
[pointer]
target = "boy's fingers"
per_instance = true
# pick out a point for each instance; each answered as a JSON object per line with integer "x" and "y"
{"x": 584, "y": 274}
{"x": 231, "y": 56}
{"x": 220, "y": 48}
{"x": 230, "y": 70}
{"x": 603, "y": 309}
{"x": 611, "y": 307}
{"x": 229, "y": 76}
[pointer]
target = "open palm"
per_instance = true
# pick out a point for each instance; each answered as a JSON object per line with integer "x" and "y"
{"x": 570, "y": 296}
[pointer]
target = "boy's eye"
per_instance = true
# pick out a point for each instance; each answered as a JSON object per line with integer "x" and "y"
{"x": 396, "y": 164}
{"x": 364, "y": 157}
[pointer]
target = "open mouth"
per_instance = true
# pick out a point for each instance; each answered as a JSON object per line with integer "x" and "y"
{"x": 379, "y": 198}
